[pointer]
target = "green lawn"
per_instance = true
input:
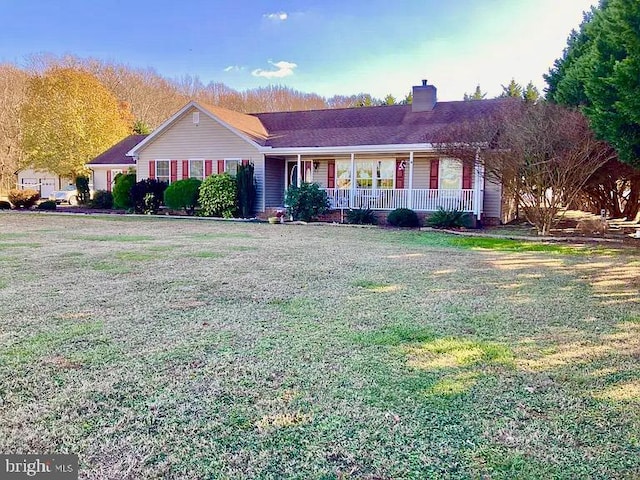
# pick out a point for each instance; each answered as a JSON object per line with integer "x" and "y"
{"x": 193, "y": 349}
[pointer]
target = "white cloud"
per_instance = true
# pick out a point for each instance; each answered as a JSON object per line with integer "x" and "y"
{"x": 283, "y": 69}
{"x": 276, "y": 16}
{"x": 233, "y": 68}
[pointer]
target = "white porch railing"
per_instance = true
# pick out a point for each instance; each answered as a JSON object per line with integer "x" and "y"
{"x": 388, "y": 199}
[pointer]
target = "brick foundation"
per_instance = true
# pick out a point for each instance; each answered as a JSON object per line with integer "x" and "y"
{"x": 339, "y": 216}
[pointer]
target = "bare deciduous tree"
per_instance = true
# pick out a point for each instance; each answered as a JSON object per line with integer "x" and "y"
{"x": 543, "y": 153}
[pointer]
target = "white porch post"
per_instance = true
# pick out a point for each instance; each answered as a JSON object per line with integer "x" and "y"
{"x": 352, "y": 192}
{"x": 299, "y": 170}
{"x": 410, "y": 189}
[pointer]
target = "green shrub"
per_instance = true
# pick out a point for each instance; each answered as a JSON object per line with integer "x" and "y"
{"x": 218, "y": 196}
{"x": 82, "y": 186}
{"x": 448, "y": 218}
{"x": 47, "y": 205}
{"x": 146, "y": 196}
{"x": 361, "y": 216}
{"x": 183, "y": 195}
{"x": 403, "y": 217}
{"x": 102, "y": 199}
{"x": 246, "y": 190}
{"x": 4, "y": 205}
{"x": 306, "y": 202}
{"x": 23, "y": 198}
{"x": 122, "y": 190}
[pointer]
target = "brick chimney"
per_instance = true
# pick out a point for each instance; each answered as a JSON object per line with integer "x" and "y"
{"x": 424, "y": 97}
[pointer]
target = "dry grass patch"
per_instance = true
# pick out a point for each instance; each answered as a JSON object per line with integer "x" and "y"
{"x": 199, "y": 349}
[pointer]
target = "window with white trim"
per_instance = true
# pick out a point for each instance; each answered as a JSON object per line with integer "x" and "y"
{"x": 196, "y": 169}
{"x": 163, "y": 170}
{"x": 450, "y": 174}
{"x": 385, "y": 173}
{"x": 343, "y": 174}
{"x": 231, "y": 165}
{"x": 369, "y": 173}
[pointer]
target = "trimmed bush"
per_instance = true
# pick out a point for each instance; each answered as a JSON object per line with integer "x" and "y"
{"x": 403, "y": 217}
{"x": 218, "y": 196}
{"x": 47, "y": 205}
{"x": 82, "y": 186}
{"x": 102, "y": 199}
{"x": 146, "y": 196}
{"x": 306, "y": 202}
{"x": 448, "y": 218}
{"x": 246, "y": 190}
{"x": 361, "y": 216}
{"x": 23, "y": 198}
{"x": 183, "y": 195}
{"x": 4, "y": 205}
{"x": 122, "y": 190}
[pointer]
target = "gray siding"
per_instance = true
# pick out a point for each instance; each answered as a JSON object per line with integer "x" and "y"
{"x": 492, "y": 198}
{"x": 208, "y": 140}
{"x": 274, "y": 182}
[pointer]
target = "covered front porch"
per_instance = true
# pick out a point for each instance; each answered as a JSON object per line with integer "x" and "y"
{"x": 422, "y": 199}
{"x": 421, "y": 181}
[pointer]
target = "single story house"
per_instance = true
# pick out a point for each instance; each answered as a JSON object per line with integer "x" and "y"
{"x": 380, "y": 158}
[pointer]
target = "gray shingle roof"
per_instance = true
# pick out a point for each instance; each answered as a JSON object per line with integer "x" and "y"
{"x": 396, "y": 124}
{"x": 117, "y": 155}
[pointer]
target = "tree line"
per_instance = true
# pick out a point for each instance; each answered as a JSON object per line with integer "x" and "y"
{"x": 57, "y": 113}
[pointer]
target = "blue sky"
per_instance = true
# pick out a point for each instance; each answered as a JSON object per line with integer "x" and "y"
{"x": 328, "y": 47}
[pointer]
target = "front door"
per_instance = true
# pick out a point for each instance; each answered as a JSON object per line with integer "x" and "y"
{"x": 292, "y": 172}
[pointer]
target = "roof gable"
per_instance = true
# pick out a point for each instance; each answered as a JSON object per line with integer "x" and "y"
{"x": 247, "y": 127}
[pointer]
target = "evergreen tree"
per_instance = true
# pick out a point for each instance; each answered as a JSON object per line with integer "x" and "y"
{"x": 600, "y": 72}
{"x": 531, "y": 93}
{"x": 513, "y": 89}
{"x": 476, "y": 95}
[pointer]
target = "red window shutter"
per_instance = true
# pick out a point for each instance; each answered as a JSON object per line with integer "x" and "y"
{"x": 245, "y": 162}
{"x": 174, "y": 170}
{"x": 185, "y": 169}
{"x": 208, "y": 167}
{"x": 466, "y": 176}
{"x": 108, "y": 180}
{"x": 433, "y": 174}
{"x": 220, "y": 166}
{"x": 331, "y": 174}
{"x": 152, "y": 169}
{"x": 400, "y": 167}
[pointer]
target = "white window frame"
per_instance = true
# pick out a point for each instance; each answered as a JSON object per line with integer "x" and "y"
{"x": 202, "y": 160}
{"x": 227, "y": 161}
{"x": 346, "y": 180}
{"x": 447, "y": 162}
{"x": 163, "y": 178}
{"x": 375, "y": 180}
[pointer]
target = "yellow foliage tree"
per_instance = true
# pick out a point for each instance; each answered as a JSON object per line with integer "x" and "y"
{"x": 68, "y": 119}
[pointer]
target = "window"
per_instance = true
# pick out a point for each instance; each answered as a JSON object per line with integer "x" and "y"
{"x": 163, "y": 170}
{"x": 231, "y": 166}
{"x": 369, "y": 173}
{"x": 196, "y": 169}
{"x": 450, "y": 174}
{"x": 343, "y": 174}
{"x": 364, "y": 174}
{"x": 385, "y": 170}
